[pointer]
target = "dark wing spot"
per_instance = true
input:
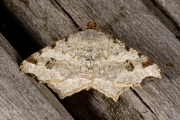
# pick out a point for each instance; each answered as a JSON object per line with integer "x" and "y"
{"x": 127, "y": 47}
{"x": 130, "y": 67}
{"x": 127, "y": 61}
{"x": 50, "y": 63}
{"x": 147, "y": 63}
{"x": 47, "y": 63}
{"x": 53, "y": 45}
{"x": 31, "y": 59}
{"x": 66, "y": 39}
{"x": 52, "y": 59}
{"x": 139, "y": 54}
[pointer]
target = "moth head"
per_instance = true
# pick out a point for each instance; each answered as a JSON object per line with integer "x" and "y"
{"x": 91, "y": 25}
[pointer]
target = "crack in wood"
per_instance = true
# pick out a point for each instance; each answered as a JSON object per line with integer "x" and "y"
{"x": 141, "y": 99}
{"x": 165, "y": 13}
{"x": 100, "y": 104}
{"x": 54, "y": 2}
{"x": 168, "y": 77}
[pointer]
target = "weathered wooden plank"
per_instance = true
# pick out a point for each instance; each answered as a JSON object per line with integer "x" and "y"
{"x": 21, "y": 98}
{"x": 132, "y": 22}
{"x": 170, "y": 8}
{"x": 42, "y": 20}
{"x": 168, "y": 22}
{"x": 94, "y": 105}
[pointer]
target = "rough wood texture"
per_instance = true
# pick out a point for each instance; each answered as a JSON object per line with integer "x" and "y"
{"x": 128, "y": 20}
{"x": 167, "y": 21}
{"x": 21, "y": 98}
{"x": 170, "y": 8}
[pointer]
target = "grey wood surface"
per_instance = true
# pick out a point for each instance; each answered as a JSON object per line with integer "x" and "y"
{"x": 171, "y": 9}
{"x": 21, "y": 98}
{"x": 154, "y": 8}
{"x": 131, "y": 21}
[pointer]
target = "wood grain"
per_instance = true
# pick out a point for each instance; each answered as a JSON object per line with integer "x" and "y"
{"x": 130, "y": 21}
{"x": 41, "y": 19}
{"x": 21, "y": 98}
{"x": 171, "y": 9}
{"x": 154, "y": 8}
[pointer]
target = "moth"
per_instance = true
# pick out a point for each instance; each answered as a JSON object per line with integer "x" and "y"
{"x": 90, "y": 59}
